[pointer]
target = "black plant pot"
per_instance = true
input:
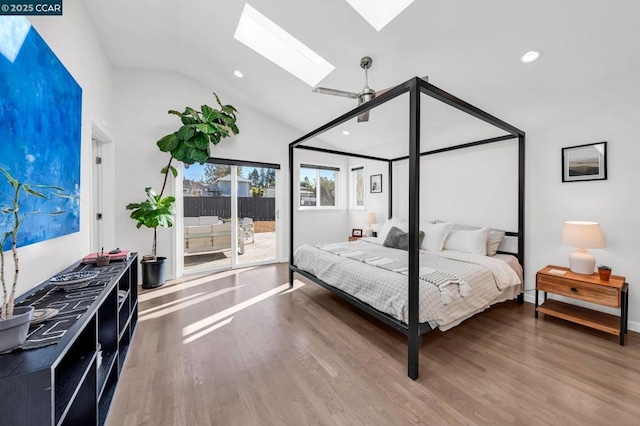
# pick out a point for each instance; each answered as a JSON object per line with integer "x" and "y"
{"x": 153, "y": 272}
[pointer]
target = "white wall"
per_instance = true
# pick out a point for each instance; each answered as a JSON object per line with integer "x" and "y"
{"x": 74, "y": 41}
{"x": 322, "y": 226}
{"x": 142, "y": 99}
{"x": 377, "y": 202}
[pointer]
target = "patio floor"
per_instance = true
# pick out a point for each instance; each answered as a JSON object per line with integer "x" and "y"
{"x": 263, "y": 248}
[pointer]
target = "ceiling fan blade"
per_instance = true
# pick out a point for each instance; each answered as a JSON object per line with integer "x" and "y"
{"x": 334, "y": 92}
{"x": 364, "y": 117}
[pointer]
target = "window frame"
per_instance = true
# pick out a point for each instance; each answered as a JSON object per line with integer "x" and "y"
{"x": 319, "y": 167}
{"x": 353, "y": 181}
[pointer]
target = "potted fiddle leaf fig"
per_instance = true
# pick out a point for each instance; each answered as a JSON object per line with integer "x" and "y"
{"x": 14, "y": 322}
{"x": 189, "y": 144}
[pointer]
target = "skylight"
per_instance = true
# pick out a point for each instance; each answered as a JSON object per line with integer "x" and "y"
{"x": 379, "y": 12}
{"x": 259, "y": 33}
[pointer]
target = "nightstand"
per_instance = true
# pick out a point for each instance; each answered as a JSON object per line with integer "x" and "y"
{"x": 613, "y": 293}
{"x": 354, "y": 238}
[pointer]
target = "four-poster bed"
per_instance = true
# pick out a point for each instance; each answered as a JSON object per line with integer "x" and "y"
{"x": 411, "y": 325}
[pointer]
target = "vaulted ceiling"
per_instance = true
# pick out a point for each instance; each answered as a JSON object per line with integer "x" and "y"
{"x": 470, "y": 48}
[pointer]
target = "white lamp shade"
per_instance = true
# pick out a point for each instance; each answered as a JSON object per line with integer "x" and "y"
{"x": 370, "y": 218}
{"x": 587, "y": 235}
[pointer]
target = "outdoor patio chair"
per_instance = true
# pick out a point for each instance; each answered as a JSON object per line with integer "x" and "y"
{"x": 247, "y": 225}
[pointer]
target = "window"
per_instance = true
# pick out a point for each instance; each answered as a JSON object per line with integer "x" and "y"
{"x": 357, "y": 187}
{"x": 318, "y": 186}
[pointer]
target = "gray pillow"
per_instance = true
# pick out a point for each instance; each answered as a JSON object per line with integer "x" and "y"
{"x": 400, "y": 240}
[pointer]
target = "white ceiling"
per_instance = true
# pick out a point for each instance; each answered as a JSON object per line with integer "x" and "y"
{"x": 469, "y": 48}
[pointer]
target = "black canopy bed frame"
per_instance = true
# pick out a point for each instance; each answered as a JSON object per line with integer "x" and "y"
{"x": 414, "y": 330}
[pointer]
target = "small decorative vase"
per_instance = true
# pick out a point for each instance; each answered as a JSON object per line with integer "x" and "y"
{"x": 13, "y": 330}
{"x": 103, "y": 260}
{"x": 605, "y": 274}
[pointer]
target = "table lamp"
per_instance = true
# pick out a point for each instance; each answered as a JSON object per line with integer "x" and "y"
{"x": 369, "y": 219}
{"x": 583, "y": 236}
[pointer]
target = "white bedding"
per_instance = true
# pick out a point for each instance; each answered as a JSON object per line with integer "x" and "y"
{"x": 491, "y": 280}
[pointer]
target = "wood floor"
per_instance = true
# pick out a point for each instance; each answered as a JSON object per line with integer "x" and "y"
{"x": 238, "y": 348}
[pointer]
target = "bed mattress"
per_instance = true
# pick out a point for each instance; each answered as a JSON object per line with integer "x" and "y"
{"x": 490, "y": 280}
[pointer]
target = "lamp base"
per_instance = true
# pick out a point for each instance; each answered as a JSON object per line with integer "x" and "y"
{"x": 581, "y": 262}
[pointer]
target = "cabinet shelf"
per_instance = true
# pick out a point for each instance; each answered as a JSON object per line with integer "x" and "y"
{"x": 108, "y": 361}
{"x": 62, "y": 384}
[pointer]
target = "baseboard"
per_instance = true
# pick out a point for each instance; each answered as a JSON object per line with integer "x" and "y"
{"x": 531, "y": 298}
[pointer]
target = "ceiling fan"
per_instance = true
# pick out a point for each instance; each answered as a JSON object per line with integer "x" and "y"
{"x": 365, "y": 95}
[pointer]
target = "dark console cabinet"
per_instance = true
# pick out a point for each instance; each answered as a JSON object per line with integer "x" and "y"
{"x": 71, "y": 383}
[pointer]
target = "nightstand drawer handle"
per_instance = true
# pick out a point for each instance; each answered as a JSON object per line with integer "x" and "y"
{"x": 574, "y": 290}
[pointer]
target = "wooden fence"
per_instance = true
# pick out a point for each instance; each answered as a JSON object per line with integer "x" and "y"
{"x": 258, "y": 208}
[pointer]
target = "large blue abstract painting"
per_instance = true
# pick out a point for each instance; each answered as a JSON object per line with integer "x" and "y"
{"x": 40, "y": 129}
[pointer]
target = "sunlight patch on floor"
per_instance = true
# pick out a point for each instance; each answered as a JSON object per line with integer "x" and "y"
{"x": 180, "y": 306}
{"x": 206, "y": 331}
{"x": 179, "y": 286}
{"x": 213, "y": 319}
{"x": 166, "y": 305}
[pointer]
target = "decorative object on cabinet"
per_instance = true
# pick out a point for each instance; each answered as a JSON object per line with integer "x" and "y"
{"x": 66, "y": 383}
{"x": 370, "y": 219}
{"x": 376, "y": 183}
{"x": 356, "y": 232}
{"x": 16, "y": 210}
{"x": 604, "y": 272}
{"x": 191, "y": 143}
{"x": 584, "y": 162}
{"x": 583, "y": 236}
{"x": 613, "y": 293}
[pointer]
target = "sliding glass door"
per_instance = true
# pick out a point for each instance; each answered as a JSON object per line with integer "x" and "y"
{"x": 230, "y": 215}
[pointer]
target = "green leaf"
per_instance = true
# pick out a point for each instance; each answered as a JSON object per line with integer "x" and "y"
{"x": 168, "y": 143}
{"x": 229, "y": 109}
{"x": 13, "y": 182}
{"x": 186, "y": 132}
{"x": 201, "y": 141}
{"x": 206, "y": 128}
{"x": 209, "y": 114}
{"x": 33, "y": 192}
{"x": 217, "y": 99}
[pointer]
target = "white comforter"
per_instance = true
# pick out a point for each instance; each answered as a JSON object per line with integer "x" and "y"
{"x": 490, "y": 280}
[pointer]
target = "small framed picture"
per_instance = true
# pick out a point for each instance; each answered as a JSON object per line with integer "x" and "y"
{"x": 356, "y": 232}
{"x": 376, "y": 183}
{"x": 584, "y": 162}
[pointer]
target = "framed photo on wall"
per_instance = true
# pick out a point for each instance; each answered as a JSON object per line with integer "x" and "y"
{"x": 584, "y": 162}
{"x": 376, "y": 183}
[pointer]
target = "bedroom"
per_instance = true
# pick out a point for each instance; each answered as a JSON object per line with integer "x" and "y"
{"x": 583, "y": 90}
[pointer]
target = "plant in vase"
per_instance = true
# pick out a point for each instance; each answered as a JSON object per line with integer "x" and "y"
{"x": 189, "y": 144}
{"x": 605, "y": 272}
{"x": 14, "y": 322}
{"x": 102, "y": 259}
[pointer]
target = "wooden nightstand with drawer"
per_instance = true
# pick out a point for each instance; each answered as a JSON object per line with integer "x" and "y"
{"x": 613, "y": 293}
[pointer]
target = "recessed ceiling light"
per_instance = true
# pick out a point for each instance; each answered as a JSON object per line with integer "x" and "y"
{"x": 345, "y": 132}
{"x": 531, "y": 56}
{"x": 238, "y": 73}
{"x": 259, "y": 33}
{"x": 379, "y": 12}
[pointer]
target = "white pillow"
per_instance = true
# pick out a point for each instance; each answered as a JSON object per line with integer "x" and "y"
{"x": 466, "y": 241}
{"x": 435, "y": 235}
{"x": 493, "y": 240}
{"x": 401, "y": 224}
